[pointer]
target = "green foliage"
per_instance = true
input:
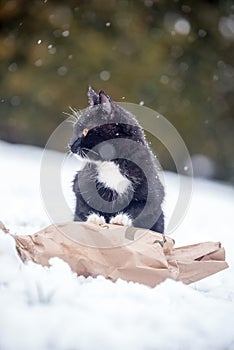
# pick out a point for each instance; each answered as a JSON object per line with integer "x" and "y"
{"x": 175, "y": 56}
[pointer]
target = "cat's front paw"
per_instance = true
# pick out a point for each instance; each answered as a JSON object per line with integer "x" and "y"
{"x": 121, "y": 219}
{"x": 96, "y": 219}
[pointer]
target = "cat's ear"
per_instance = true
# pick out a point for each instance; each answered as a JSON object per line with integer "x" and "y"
{"x": 93, "y": 97}
{"x": 100, "y": 98}
{"x": 105, "y": 101}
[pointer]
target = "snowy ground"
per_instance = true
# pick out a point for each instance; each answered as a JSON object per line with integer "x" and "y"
{"x": 52, "y": 308}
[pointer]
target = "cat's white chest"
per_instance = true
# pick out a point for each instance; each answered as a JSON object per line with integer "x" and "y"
{"x": 111, "y": 177}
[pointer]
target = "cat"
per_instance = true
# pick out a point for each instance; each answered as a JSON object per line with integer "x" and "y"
{"x": 119, "y": 181}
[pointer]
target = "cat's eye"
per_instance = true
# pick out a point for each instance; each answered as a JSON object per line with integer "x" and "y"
{"x": 85, "y": 132}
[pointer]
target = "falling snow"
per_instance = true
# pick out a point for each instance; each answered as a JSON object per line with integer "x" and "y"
{"x": 182, "y": 26}
{"x": 105, "y": 75}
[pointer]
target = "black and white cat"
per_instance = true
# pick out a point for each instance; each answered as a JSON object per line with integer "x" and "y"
{"x": 119, "y": 182}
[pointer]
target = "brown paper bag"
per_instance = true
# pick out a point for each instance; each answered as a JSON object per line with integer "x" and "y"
{"x": 132, "y": 254}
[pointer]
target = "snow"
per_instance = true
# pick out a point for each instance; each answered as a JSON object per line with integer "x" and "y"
{"x": 52, "y": 308}
{"x": 182, "y": 26}
{"x": 105, "y": 75}
{"x": 226, "y": 27}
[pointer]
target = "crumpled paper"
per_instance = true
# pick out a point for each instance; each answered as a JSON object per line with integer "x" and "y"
{"x": 132, "y": 254}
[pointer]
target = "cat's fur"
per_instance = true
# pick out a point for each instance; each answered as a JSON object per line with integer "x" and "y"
{"x": 119, "y": 168}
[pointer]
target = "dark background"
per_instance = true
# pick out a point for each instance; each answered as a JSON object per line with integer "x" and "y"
{"x": 175, "y": 56}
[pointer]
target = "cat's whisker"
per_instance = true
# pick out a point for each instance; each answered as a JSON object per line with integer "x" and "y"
{"x": 68, "y": 114}
{"x": 82, "y": 153}
{"x": 67, "y": 148}
{"x": 90, "y": 150}
{"x": 73, "y": 122}
{"x": 75, "y": 112}
{"x": 71, "y": 118}
{"x": 69, "y": 154}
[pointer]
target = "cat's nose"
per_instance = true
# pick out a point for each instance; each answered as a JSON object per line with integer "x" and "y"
{"x": 74, "y": 145}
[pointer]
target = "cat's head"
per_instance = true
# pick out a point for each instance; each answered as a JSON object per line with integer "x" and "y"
{"x": 103, "y": 121}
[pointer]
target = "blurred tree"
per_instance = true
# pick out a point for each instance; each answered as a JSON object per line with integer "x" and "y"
{"x": 176, "y": 56}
